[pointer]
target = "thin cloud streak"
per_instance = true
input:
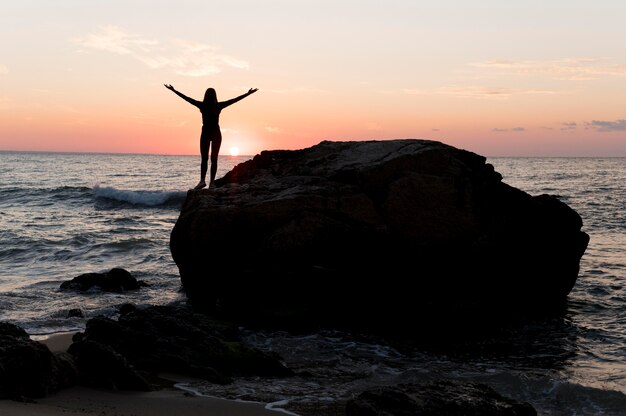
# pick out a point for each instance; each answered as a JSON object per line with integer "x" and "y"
{"x": 571, "y": 125}
{"x": 514, "y": 129}
{"x": 191, "y": 59}
{"x": 476, "y": 92}
{"x": 573, "y": 69}
{"x": 293, "y": 90}
{"x": 115, "y": 40}
{"x": 608, "y": 126}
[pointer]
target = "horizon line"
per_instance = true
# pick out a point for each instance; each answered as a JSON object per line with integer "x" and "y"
{"x": 252, "y": 155}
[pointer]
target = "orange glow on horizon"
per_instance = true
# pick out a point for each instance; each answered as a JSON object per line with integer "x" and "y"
{"x": 77, "y": 80}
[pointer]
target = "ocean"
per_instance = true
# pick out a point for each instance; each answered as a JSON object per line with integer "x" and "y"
{"x": 64, "y": 214}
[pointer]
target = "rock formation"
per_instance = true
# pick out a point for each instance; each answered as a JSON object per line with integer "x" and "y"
{"x": 115, "y": 280}
{"x": 28, "y": 369}
{"x": 365, "y": 229}
{"x": 128, "y": 354}
{"x": 122, "y": 354}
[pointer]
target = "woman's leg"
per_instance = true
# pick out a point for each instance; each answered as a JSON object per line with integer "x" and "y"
{"x": 215, "y": 151}
{"x": 204, "y": 154}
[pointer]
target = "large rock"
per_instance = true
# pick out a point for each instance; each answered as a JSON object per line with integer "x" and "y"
{"x": 102, "y": 367}
{"x": 371, "y": 228}
{"x": 28, "y": 369}
{"x": 115, "y": 280}
{"x": 143, "y": 342}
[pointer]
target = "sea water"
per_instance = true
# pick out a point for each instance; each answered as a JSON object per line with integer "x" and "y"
{"x": 65, "y": 214}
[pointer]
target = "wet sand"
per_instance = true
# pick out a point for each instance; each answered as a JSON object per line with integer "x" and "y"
{"x": 86, "y": 401}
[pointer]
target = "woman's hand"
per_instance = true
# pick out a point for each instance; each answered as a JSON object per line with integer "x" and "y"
{"x": 169, "y": 87}
{"x": 252, "y": 90}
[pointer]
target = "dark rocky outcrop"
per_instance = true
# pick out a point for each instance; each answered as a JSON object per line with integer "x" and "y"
{"x": 148, "y": 341}
{"x": 28, "y": 369}
{"x": 374, "y": 230}
{"x": 115, "y": 280}
{"x": 128, "y": 354}
{"x": 101, "y": 366}
{"x": 442, "y": 398}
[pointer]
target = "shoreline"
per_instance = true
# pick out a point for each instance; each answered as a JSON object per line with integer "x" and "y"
{"x": 166, "y": 402}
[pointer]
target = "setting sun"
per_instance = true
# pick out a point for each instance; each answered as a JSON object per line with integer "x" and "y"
{"x": 234, "y": 151}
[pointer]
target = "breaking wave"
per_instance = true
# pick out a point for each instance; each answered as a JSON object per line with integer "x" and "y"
{"x": 142, "y": 198}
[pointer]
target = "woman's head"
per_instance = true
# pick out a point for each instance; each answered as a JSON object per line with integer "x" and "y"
{"x": 210, "y": 96}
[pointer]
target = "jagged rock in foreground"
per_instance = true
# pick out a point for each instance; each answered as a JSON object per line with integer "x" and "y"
{"x": 28, "y": 369}
{"x": 373, "y": 228}
{"x": 123, "y": 354}
{"x": 129, "y": 353}
{"x": 441, "y": 398}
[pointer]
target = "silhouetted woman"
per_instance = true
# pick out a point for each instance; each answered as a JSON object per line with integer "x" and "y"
{"x": 211, "y": 133}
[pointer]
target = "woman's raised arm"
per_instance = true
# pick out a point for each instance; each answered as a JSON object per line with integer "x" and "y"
{"x": 183, "y": 96}
{"x": 225, "y": 104}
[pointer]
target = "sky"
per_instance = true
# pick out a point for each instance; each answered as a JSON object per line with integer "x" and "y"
{"x": 532, "y": 78}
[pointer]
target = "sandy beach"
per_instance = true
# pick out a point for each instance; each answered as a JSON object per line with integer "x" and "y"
{"x": 87, "y": 401}
{"x": 84, "y": 401}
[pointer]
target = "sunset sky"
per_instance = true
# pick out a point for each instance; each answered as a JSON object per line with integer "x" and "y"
{"x": 539, "y": 78}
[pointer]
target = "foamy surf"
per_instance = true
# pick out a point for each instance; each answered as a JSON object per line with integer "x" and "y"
{"x": 145, "y": 198}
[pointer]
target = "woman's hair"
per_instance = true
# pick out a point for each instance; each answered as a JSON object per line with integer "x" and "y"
{"x": 210, "y": 96}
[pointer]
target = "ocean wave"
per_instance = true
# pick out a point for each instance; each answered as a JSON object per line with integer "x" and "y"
{"x": 140, "y": 198}
{"x": 33, "y": 196}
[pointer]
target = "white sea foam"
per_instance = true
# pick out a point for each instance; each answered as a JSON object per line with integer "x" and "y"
{"x": 276, "y": 406}
{"x": 149, "y": 198}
